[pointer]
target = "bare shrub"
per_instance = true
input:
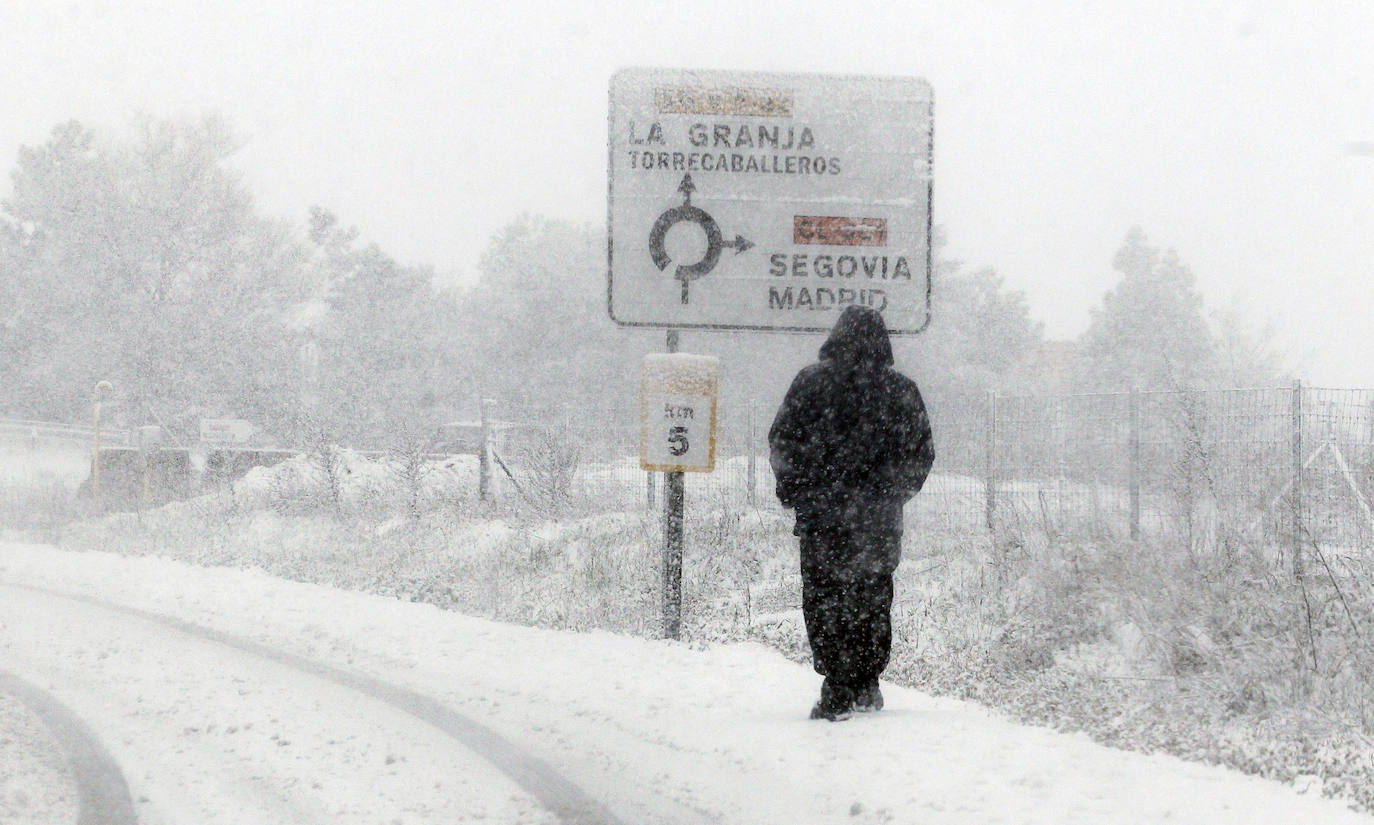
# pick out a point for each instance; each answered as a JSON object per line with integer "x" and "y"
{"x": 327, "y": 460}
{"x": 411, "y": 465}
{"x": 545, "y": 462}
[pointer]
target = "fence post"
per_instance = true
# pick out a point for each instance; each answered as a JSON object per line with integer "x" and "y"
{"x": 483, "y": 453}
{"x": 1297, "y": 482}
{"x": 1135, "y": 463}
{"x": 95, "y": 455}
{"x": 1369, "y": 451}
{"x": 990, "y": 478}
{"x": 753, "y": 448}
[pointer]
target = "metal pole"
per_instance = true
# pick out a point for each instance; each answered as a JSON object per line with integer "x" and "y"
{"x": 101, "y": 386}
{"x": 1304, "y": 683}
{"x": 143, "y": 488}
{"x": 990, "y": 478}
{"x": 674, "y": 495}
{"x": 95, "y": 461}
{"x": 753, "y": 471}
{"x": 1369, "y": 459}
{"x": 1297, "y": 482}
{"x": 1135, "y": 463}
{"x": 483, "y": 461}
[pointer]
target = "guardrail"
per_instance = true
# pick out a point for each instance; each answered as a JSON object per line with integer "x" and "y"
{"x": 33, "y": 432}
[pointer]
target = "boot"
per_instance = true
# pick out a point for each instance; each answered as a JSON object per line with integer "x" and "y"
{"x": 869, "y": 698}
{"x": 836, "y": 703}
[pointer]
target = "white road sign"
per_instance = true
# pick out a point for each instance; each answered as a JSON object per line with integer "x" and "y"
{"x": 768, "y": 201}
{"x": 677, "y": 412}
{"x": 225, "y": 430}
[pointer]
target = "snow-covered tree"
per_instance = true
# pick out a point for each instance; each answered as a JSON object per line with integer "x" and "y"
{"x": 1246, "y": 353}
{"x": 1150, "y": 331}
{"x": 388, "y": 342}
{"x": 540, "y": 334}
{"x": 143, "y": 262}
{"x": 980, "y": 334}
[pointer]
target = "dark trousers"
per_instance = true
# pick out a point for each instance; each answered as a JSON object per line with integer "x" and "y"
{"x": 847, "y": 604}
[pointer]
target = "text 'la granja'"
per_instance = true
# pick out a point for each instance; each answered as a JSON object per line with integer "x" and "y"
{"x": 731, "y": 135}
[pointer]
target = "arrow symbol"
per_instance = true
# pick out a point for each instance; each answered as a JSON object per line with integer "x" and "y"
{"x": 740, "y": 243}
{"x": 715, "y": 241}
{"x": 687, "y": 188}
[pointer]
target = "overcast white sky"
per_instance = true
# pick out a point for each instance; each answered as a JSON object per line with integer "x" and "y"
{"x": 1224, "y": 129}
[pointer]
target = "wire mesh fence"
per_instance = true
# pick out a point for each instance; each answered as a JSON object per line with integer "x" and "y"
{"x": 1264, "y": 466}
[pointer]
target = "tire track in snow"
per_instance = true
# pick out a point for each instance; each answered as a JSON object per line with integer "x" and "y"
{"x": 557, "y": 794}
{"x": 102, "y": 792}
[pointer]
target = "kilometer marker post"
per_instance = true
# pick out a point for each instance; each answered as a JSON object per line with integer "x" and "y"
{"x": 678, "y": 393}
{"x": 674, "y": 504}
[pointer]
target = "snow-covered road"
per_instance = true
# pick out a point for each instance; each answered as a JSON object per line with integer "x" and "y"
{"x": 209, "y": 733}
{"x": 209, "y": 730}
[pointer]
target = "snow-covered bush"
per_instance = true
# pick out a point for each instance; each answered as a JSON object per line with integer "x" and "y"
{"x": 346, "y": 482}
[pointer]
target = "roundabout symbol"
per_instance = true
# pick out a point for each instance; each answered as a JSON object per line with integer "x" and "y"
{"x": 715, "y": 241}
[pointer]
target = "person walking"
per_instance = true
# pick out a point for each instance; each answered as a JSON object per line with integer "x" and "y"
{"x": 850, "y": 445}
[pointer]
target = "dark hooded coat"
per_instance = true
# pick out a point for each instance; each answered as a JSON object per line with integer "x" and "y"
{"x": 851, "y": 443}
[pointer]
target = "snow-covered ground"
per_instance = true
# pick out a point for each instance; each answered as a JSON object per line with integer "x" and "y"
{"x": 56, "y": 463}
{"x": 35, "y": 781}
{"x": 655, "y": 731}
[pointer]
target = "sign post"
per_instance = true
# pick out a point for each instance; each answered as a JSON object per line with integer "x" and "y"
{"x": 677, "y": 416}
{"x": 756, "y": 201}
{"x": 674, "y": 509}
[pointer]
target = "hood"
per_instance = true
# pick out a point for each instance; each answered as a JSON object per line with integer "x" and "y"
{"x": 859, "y": 338}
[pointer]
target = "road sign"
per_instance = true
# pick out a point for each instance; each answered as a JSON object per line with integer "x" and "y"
{"x": 677, "y": 413}
{"x": 768, "y": 201}
{"x": 225, "y": 430}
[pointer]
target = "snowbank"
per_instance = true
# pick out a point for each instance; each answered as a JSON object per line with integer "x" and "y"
{"x": 357, "y": 479}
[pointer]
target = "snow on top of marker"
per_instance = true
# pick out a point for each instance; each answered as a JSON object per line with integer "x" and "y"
{"x": 683, "y": 360}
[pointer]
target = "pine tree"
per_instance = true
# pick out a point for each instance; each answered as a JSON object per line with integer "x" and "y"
{"x": 1150, "y": 332}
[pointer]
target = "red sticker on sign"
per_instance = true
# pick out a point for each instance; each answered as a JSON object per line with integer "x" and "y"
{"x": 839, "y": 231}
